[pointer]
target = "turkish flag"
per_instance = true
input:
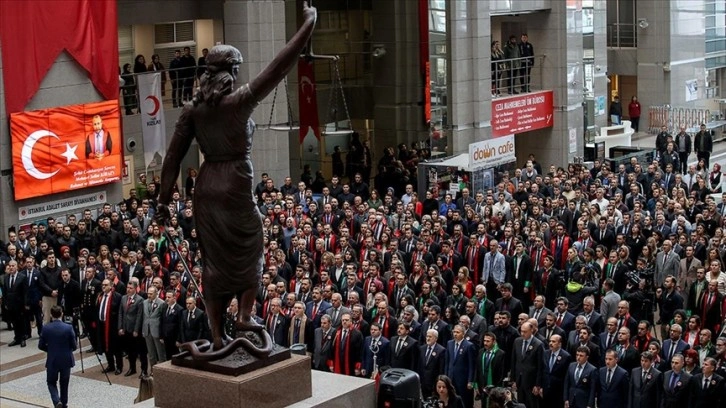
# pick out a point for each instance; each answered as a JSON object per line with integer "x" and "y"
{"x": 308, "y": 99}
{"x": 65, "y": 148}
{"x": 34, "y": 32}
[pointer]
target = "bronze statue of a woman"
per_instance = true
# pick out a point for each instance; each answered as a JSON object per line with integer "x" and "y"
{"x": 226, "y": 216}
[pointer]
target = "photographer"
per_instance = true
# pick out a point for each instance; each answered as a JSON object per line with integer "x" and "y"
{"x": 502, "y": 398}
{"x": 69, "y": 298}
{"x": 638, "y": 293}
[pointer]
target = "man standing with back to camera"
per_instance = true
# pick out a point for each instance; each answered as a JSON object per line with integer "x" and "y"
{"x": 59, "y": 340}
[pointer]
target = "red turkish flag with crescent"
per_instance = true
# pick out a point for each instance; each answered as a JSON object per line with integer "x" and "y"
{"x": 34, "y": 32}
{"x": 65, "y": 148}
{"x": 308, "y": 99}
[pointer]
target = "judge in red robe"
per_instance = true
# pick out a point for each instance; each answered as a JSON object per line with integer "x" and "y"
{"x": 347, "y": 350}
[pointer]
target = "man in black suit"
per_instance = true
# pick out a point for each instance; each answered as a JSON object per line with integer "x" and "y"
{"x": 557, "y": 361}
{"x": 170, "y": 323}
{"x": 520, "y": 274}
{"x": 434, "y": 322}
{"x": 15, "y": 299}
{"x": 627, "y": 354}
{"x": 90, "y": 289}
{"x": 376, "y": 352}
{"x": 193, "y": 323}
{"x": 584, "y": 339}
{"x": 550, "y": 329}
{"x": 645, "y": 382}
{"x": 347, "y": 349}
{"x": 489, "y": 367}
{"x": 507, "y": 302}
{"x": 35, "y": 297}
{"x": 707, "y": 387}
{"x": 432, "y": 359}
{"x": 276, "y": 323}
{"x": 528, "y": 366}
{"x": 676, "y": 384}
{"x": 404, "y": 349}
{"x": 674, "y": 345}
{"x": 109, "y": 303}
{"x": 580, "y": 382}
{"x": 613, "y": 381}
{"x": 604, "y": 235}
{"x": 69, "y": 295}
{"x": 592, "y": 317}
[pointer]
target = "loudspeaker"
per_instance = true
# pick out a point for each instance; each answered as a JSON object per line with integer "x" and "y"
{"x": 399, "y": 388}
{"x": 130, "y": 144}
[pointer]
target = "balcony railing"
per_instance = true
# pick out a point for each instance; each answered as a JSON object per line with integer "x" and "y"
{"x": 622, "y": 35}
{"x": 517, "y": 75}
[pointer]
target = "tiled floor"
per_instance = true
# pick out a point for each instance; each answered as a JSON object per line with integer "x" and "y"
{"x": 23, "y": 384}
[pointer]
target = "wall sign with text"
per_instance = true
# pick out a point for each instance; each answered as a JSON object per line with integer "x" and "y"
{"x": 522, "y": 113}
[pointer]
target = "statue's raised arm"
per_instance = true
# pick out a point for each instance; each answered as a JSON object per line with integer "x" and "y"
{"x": 268, "y": 79}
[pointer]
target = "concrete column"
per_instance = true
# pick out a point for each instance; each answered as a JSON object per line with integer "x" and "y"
{"x": 558, "y": 35}
{"x": 601, "y": 59}
{"x": 397, "y": 88}
{"x": 670, "y": 52}
{"x": 469, "y": 73}
{"x": 257, "y": 29}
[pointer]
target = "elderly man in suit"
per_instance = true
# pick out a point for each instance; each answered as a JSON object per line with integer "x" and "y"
{"x": 707, "y": 388}
{"x": 193, "y": 323}
{"x": 676, "y": 384}
{"x": 645, "y": 381}
{"x": 323, "y": 343}
{"x": 170, "y": 323}
{"x": 336, "y": 310}
{"x": 528, "y": 366}
{"x": 460, "y": 365}
{"x": 15, "y": 299}
{"x": 674, "y": 345}
{"x": 129, "y": 328}
{"x": 376, "y": 352}
{"x": 538, "y": 310}
{"x": 300, "y": 328}
{"x": 151, "y": 327}
{"x": 667, "y": 262}
{"x": 613, "y": 382}
{"x": 58, "y": 339}
{"x": 580, "y": 382}
{"x": 557, "y": 361}
{"x": 347, "y": 349}
{"x": 432, "y": 360}
{"x": 108, "y": 305}
{"x": 276, "y": 323}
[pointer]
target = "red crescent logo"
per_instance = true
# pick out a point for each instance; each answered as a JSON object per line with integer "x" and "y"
{"x": 156, "y": 103}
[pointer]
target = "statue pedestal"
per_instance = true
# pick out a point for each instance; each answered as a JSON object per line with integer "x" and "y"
{"x": 277, "y": 385}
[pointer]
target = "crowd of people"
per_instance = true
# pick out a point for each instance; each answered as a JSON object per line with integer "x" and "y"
{"x": 572, "y": 287}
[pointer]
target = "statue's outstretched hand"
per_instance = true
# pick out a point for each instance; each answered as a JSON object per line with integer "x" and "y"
{"x": 309, "y": 12}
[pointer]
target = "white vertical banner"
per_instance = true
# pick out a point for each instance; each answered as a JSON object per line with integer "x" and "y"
{"x": 152, "y": 118}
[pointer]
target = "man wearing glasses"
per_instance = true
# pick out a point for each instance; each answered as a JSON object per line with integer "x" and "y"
{"x": 108, "y": 303}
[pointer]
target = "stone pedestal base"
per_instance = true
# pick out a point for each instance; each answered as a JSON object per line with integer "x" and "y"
{"x": 278, "y": 385}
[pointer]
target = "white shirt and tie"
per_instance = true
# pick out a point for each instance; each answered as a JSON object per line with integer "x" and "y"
{"x": 102, "y": 312}
{"x": 99, "y": 142}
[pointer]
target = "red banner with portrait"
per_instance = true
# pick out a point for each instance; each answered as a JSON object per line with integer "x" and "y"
{"x": 423, "y": 56}
{"x": 33, "y": 34}
{"x": 65, "y": 148}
